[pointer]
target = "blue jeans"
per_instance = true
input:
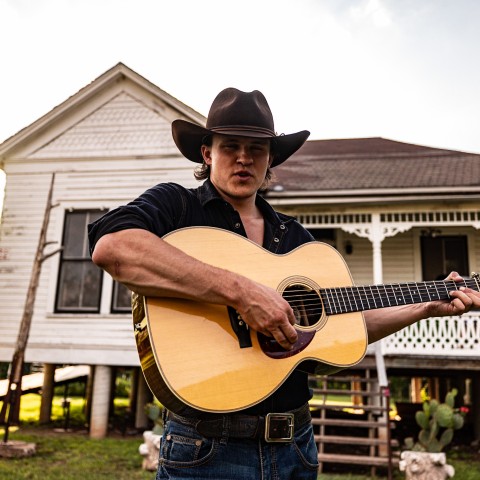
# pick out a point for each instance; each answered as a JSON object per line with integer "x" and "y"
{"x": 185, "y": 454}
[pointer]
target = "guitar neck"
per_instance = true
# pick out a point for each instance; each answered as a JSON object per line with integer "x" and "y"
{"x": 355, "y": 299}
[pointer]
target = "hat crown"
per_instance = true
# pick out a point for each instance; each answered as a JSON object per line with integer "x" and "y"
{"x": 236, "y": 113}
{"x": 233, "y": 107}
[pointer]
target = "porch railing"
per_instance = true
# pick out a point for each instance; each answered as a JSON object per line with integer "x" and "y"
{"x": 439, "y": 336}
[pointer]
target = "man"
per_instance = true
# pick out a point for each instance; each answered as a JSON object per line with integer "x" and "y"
{"x": 236, "y": 151}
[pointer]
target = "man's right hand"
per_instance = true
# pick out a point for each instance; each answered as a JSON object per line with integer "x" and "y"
{"x": 267, "y": 312}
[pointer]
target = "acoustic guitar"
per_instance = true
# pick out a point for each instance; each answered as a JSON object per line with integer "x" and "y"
{"x": 205, "y": 356}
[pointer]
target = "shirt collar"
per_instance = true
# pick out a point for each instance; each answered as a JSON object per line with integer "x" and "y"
{"x": 208, "y": 193}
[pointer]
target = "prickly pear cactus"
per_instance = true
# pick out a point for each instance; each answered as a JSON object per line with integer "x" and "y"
{"x": 437, "y": 422}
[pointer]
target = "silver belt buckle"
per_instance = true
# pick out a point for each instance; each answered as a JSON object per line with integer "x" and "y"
{"x": 279, "y": 427}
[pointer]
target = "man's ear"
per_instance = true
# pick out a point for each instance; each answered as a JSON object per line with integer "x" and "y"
{"x": 206, "y": 152}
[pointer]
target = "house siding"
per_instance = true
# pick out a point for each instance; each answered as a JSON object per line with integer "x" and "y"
{"x": 107, "y": 153}
{"x": 398, "y": 258}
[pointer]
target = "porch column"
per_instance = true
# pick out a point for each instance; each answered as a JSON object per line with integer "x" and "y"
{"x": 376, "y": 234}
{"x": 144, "y": 396}
{"x": 47, "y": 393}
{"x": 376, "y": 237}
{"x": 102, "y": 383}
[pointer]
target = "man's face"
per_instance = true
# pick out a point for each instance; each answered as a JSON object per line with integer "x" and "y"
{"x": 238, "y": 165}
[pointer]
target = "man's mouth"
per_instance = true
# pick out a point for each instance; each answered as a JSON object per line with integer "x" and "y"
{"x": 243, "y": 174}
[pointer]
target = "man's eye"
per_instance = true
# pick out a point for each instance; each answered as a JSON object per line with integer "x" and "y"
{"x": 259, "y": 148}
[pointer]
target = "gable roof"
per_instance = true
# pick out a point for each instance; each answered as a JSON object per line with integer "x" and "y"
{"x": 361, "y": 164}
{"x": 107, "y": 84}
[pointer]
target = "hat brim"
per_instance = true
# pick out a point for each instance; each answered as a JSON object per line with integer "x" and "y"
{"x": 189, "y": 137}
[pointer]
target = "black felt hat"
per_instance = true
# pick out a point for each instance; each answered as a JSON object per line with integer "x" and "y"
{"x": 238, "y": 113}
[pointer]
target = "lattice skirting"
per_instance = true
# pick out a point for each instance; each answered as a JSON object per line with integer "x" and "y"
{"x": 445, "y": 336}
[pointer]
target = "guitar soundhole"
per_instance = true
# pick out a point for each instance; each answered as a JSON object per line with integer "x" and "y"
{"x": 305, "y": 302}
{"x": 303, "y": 296}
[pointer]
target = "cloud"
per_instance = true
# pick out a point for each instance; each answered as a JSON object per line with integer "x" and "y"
{"x": 374, "y": 11}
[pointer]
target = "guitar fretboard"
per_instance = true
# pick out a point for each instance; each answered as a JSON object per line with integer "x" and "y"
{"x": 355, "y": 299}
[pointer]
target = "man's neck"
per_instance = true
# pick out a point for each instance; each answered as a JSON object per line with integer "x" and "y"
{"x": 255, "y": 228}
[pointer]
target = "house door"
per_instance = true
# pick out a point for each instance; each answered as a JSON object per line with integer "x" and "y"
{"x": 443, "y": 254}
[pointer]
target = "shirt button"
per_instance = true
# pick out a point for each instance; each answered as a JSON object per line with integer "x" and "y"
{"x": 237, "y": 225}
{"x": 276, "y": 240}
{"x": 282, "y": 227}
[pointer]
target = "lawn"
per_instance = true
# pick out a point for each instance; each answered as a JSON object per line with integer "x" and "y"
{"x": 72, "y": 455}
{"x": 68, "y": 456}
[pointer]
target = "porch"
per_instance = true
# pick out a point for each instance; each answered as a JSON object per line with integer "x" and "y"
{"x": 457, "y": 337}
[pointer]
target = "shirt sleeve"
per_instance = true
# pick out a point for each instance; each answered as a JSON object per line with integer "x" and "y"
{"x": 158, "y": 210}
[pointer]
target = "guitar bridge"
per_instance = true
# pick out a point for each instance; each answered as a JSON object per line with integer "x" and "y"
{"x": 240, "y": 328}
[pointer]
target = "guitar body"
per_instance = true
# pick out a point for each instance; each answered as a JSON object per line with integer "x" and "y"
{"x": 189, "y": 352}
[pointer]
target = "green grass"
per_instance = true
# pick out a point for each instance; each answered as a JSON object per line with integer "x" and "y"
{"x": 71, "y": 456}
{"x": 68, "y": 456}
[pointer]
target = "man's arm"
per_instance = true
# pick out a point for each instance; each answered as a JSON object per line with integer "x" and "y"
{"x": 148, "y": 265}
{"x": 383, "y": 322}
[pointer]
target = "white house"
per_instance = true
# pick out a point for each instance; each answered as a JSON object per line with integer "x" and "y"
{"x": 397, "y": 212}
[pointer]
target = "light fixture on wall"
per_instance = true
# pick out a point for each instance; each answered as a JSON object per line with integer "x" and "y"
{"x": 430, "y": 232}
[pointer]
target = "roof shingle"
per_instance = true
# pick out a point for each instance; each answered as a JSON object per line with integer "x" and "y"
{"x": 374, "y": 163}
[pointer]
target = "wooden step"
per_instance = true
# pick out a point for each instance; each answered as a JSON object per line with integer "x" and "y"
{"x": 346, "y": 379}
{"x": 347, "y": 393}
{"x": 345, "y": 440}
{"x": 338, "y": 422}
{"x": 355, "y": 459}
{"x": 347, "y": 406}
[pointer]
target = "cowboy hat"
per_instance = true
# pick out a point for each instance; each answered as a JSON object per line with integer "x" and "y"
{"x": 238, "y": 113}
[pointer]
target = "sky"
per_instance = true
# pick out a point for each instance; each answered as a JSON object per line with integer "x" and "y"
{"x": 407, "y": 70}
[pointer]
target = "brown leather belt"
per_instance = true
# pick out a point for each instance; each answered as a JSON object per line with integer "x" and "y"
{"x": 273, "y": 427}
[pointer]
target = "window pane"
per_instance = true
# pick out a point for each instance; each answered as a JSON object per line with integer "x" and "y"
{"x": 456, "y": 255}
{"x": 90, "y": 292}
{"x": 121, "y": 301}
{"x": 73, "y": 242}
{"x": 70, "y": 281}
{"x": 79, "y": 286}
{"x": 442, "y": 254}
{"x": 75, "y": 235}
{"x": 79, "y": 281}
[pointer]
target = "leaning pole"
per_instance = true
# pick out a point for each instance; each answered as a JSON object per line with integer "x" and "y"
{"x": 12, "y": 398}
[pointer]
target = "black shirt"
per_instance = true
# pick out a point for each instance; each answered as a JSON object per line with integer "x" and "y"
{"x": 169, "y": 206}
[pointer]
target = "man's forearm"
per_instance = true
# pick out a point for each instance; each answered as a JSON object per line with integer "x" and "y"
{"x": 149, "y": 266}
{"x": 385, "y": 321}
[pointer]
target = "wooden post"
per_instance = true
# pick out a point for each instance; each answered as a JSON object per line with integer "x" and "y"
{"x": 89, "y": 394}
{"x": 144, "y": 396}
{"x": 18, "y": 360}
{"x": 102, "y": 384}
{"x": 47, "y": 393}
{"x": 416, "y": 388}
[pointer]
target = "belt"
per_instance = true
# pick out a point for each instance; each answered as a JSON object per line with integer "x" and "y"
{"x": 273, "y": 427}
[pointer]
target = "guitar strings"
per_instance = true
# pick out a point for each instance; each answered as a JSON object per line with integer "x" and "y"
{"x": 386, "y": 295}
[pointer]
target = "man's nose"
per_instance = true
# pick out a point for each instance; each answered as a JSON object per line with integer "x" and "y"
{"x": 244, "y": 156}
